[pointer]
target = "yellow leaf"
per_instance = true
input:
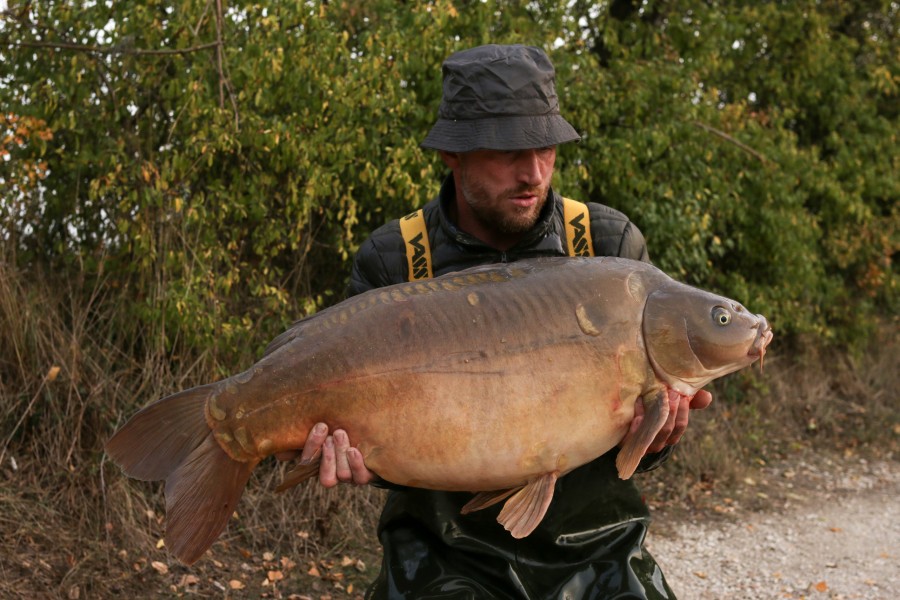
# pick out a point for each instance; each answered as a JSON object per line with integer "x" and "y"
{"x": 52, "y": 374}
{"x": 160, "y": 543}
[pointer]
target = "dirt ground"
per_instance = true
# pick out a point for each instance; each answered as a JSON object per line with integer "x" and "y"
{"x": 812, "y": 526}
{"x": 821, "y": 527}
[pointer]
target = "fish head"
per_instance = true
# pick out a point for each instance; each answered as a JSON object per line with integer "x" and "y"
{"x": 693, "y": 336}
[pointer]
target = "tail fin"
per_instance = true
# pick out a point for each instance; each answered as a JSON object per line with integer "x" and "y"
{"x": 171, "y": 440}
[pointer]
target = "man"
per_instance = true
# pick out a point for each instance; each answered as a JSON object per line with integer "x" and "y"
{"x": 497, "y": 132}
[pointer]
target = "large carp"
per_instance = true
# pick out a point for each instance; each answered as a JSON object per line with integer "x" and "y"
{"x": 497, "y": 380}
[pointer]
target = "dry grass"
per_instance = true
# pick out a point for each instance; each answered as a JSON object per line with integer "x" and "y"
{"x": 71, "y": 524}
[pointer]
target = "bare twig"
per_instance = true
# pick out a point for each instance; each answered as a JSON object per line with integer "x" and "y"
{"x": 728, "y": 138}
{"x": 224, "y": 79}
{"x": 219, "y": 53}
{"x": 27, "y": 411}
{"x": 114, "y": 49}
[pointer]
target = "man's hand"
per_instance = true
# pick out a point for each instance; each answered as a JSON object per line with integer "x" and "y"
{"x": 339, "y": 462}
{"x": 677, "y": 422}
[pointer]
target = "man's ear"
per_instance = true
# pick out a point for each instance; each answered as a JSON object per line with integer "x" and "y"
{"x": 451, "y": 159}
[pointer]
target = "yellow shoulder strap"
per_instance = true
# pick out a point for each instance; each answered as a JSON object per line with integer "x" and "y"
{"x": 578, "y": 228}
{"x": 418, "y": 250}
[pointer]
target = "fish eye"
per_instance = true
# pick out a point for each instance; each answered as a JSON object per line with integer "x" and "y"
{"x": 721, "y": 316}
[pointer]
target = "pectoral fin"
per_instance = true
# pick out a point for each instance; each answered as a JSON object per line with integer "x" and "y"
{"x": 522, "y": 513}
{"x": 637, "y": 440}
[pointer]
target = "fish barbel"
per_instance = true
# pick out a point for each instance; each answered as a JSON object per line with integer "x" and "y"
{"x": 496, "y": 380}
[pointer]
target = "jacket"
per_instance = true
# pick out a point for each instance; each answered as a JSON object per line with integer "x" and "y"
{"x": 590, "y": 543}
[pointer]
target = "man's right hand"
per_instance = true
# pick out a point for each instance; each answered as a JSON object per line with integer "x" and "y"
{"x": 339, "y": 462}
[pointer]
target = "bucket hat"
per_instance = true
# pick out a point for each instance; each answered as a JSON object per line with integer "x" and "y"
{"x": 499, "y": 98}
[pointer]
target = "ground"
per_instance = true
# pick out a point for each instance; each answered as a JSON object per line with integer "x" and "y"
{"x": 814, "y": 526}
{"x": 819, "y": 527}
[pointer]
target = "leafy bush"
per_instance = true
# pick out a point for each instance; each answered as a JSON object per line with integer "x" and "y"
{"x": 224, "y": 168}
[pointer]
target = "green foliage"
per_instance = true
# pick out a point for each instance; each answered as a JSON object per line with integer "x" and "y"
{"x": 224, "y": 170}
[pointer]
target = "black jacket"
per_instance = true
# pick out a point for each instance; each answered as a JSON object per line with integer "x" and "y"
{"x": 590, "y": 542}
{"x": 381, "y": 259}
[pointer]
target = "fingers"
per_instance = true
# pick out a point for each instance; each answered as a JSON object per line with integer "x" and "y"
{"x": 662, "y": 438}
{"x": 314, "y": 442}
{"x": 701, "y": 400}
{"x": 342, "y": 464}
{"x": 338, "y": 461}
{"x": 327, "y": 465}
{"x": 682, "y": 415}
{"x": 680, "y": 408}
{"x": 361, "y": 475}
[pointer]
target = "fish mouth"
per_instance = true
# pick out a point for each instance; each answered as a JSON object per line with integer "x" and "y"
{"x": 763, "y": 338}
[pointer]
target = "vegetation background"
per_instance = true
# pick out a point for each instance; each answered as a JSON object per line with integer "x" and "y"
{"x": 179, "y": 181}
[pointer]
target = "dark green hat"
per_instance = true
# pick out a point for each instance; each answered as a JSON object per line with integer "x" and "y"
{"x": 499, "y": 98}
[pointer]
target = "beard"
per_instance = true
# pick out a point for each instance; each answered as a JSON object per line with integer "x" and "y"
{"x": 495, "y": 211}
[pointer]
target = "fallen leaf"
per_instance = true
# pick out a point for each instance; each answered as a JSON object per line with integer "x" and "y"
{"x": 52, "y": 374}
{"x": 700, "y": 574}
{"x": 821, "y": 587}
{"x": 835, "y": 529}
{"x": 160, "y": 543}
{"x": 268, "y": 556}
{"x": 236, "y": 584}
{"x": 314, "y": 571}
{"x": 159, "y": 567}
{"x": 275, "y": 575}
{"x": 287, "y": 564}
{"x": 346, "y": 561}
{"x": 360, "y": 566}
{"x": 188, "y": 579}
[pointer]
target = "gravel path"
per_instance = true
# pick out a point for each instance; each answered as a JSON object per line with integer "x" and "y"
{"x": 831, "y": 530}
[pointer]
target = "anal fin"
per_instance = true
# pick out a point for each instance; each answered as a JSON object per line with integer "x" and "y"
{"x": 639, "y": 437}
{"x": 523, "y": 512}
{"x": 485, "y": 499}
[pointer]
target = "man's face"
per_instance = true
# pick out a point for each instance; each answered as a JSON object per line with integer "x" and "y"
{"x": 506, "y": 190}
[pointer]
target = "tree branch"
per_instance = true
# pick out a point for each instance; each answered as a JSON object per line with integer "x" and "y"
{"x": 728, "y": 138}
{"x": 114, "y": 49}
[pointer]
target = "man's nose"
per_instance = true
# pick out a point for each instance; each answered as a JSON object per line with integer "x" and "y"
{"x": 529, "y": 167}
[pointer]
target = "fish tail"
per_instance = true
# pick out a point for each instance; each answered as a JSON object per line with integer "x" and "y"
{"x": 170, "y": 440}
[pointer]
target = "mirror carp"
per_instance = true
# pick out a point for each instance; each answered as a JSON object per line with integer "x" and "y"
{"x": 496, "y": 380}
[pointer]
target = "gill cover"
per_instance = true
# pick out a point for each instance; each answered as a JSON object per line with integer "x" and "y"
{"x": 693, "y": 336}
